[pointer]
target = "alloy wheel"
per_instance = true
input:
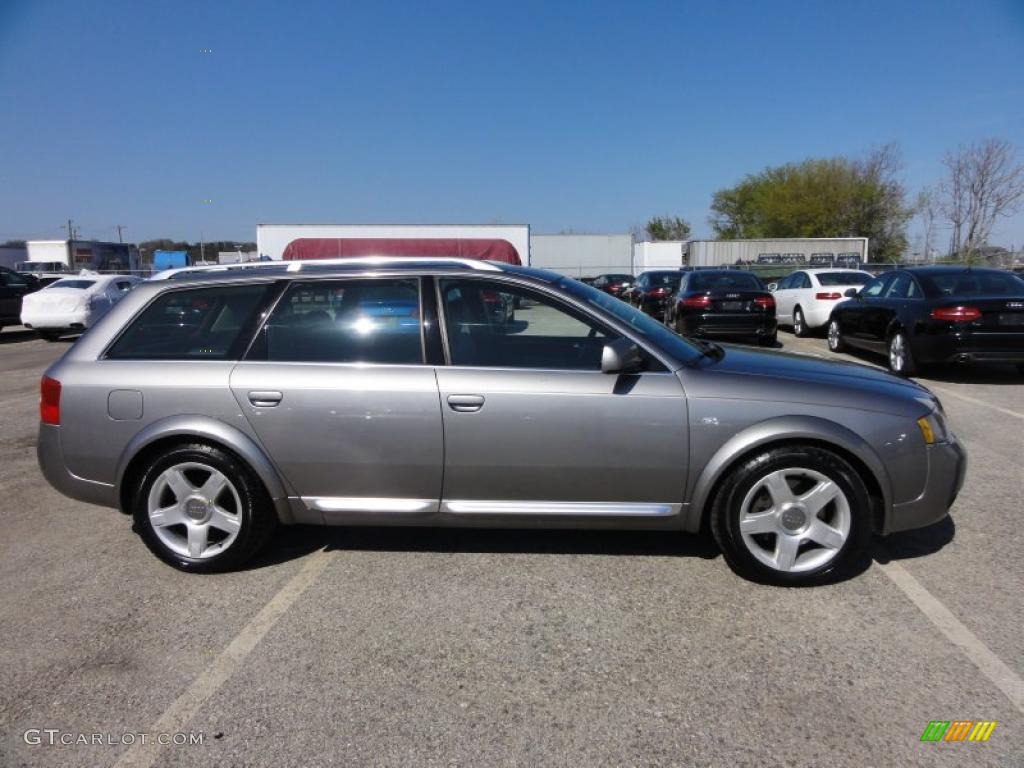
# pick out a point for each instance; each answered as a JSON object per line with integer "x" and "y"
{"x": 795, "y": 520}
{"x": 833, "y": 335}
{"x": 897, "y": 353}
{"x": 194, "y": 510}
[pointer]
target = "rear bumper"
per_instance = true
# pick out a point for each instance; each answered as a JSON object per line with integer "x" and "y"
{"x": 947, "y": 467}
{"x": 49, "y": 319}
{"x": 718, "y": 324}
{"x": 51, "y": 462}
{"x": 970, "y": 348}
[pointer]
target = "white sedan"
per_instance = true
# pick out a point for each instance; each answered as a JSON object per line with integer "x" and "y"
{"x": 804, "y": 299}
{"x": 72, "y": 304}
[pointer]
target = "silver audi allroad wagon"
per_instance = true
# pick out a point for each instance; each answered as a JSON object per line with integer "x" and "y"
{"x": 214, "y": 405}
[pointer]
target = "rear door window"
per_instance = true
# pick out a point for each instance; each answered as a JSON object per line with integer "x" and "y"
{"x": 345, "y": 321}
{"x": 195, "y": 324}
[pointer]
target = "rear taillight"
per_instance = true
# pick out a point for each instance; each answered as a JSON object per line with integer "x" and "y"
{"x": 828, "y": 296}
{"x": 656, "y": 292}
{"x": 697, "y": 302}
{"x": 765, "y": 302}
{"x": 49, "y": 401}
{"x": 956, "y": 314}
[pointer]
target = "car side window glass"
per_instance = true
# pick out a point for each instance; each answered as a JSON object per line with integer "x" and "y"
{"x": 345, "y": 321}
{"x": 898, "y": 288}
{"x": 873, "y": 289}
{"x": 194, "y": 324}
{"x": 497, "y": 325}
{"x": 805, "y": 281}
{"x": 784, "y": 283}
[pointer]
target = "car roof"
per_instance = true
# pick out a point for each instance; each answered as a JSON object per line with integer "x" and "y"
{"x": 823, "y": 270}
{"x": 946, "y": 269}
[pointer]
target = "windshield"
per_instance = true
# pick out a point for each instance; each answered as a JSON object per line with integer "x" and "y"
{"x": 726, "y": 281}
{"x": 843, "y": 278}
{"x": 65, "y": 283}
{"x": 642, "y": 324}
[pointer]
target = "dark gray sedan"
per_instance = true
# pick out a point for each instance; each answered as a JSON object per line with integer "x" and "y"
{"x": 214, "y": 405}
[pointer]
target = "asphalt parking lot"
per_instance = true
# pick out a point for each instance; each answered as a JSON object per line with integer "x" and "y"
{"x": 417, "y": 647}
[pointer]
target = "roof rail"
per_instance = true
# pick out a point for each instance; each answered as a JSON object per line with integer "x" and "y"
{"x": 300, "y": 264}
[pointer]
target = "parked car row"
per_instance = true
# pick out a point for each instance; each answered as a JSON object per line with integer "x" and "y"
{"x": 915, "y": 317}
{"x": 68, "y": 305}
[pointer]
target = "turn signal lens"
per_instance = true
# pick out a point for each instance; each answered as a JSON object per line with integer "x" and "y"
{"x": 956, "y": 314}
{"x": 926, "y": 430}
{"x": 49, "y": 401}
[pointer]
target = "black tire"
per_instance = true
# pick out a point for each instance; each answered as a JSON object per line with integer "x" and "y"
{"x": 800, "y": 329}
{"x": 768, "y": 341}
{"x": 907, "y": 366}
{"x": 835, "y": 338}
{"x": 726, "y": 511}
{"x": 50, "y": 335}
{"x": 257, "y": 515}
{"x": 1020, "y": 368}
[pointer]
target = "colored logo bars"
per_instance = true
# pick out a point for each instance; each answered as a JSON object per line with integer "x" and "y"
{"x": 958, "y": 730}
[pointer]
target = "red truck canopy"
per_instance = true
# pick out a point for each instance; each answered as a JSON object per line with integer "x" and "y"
{"x": 464, "y": 248}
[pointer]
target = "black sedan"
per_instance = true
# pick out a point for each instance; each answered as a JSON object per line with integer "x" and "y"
{"x": 723, "y": 303}
{"x": 934, "y": 315}
{"x": 14, "y": 286}
{"x": 652, "y": 292}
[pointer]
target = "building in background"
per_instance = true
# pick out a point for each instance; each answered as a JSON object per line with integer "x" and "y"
{"x": 663, "y": 254}
{"x": 169, "y": 260}
{"x": 506, "y": 243}
{"x": 76, "y": 255}
{"x": 809, "y": 251}
{"x": 582, "y": 255}
{"x": 10, "y": 255}
{"x": 237, "y": 257}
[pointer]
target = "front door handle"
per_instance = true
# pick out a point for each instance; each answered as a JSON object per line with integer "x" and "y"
{"x": 265, "y": 398}
{"x": 465, "y": 403}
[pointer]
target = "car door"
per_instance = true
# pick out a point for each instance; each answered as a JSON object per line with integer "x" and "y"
{"x": 881, "y": 310}
{"x": 851, "y": 314}
{"x": 338, "y": 391}
{"x": 783, "y": 299}
{"x": 533, "y": 427}
{"x": 12, "y": 288}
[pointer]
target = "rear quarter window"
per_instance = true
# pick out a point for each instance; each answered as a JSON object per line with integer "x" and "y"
{"x": 195, "y": 324}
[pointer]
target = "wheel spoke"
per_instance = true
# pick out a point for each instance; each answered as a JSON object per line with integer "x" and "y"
{"x": 786, "y": 547}
{"x": 214, "y": 484}
{"x": 824, "y": 534}
{"x": 778, "y": 488}
{"x": 819, "y": 496}
{"x": 197, "y": 538}
{"x": 223, "y": 520}
{"x": 171, "y": 515}
{"x": 764, "y": 522}
{"x": 178, "y": 483}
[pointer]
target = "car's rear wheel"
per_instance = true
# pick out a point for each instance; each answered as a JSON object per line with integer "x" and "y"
{"x": 795, "y": 515}
{"x": 800, "y": 329}
{"x": 200, "y": 508}
{"x": 49, "y": 335}
{"x": 901, "y": 359}
{"x": 835, "y": 338}
{"x": 768, "y": 341}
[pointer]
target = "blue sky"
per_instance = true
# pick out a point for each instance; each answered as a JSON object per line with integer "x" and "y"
{"x": 567, "y": 116}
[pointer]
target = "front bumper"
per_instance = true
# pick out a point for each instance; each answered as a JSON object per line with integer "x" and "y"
{"x": 947, "y": 467}
{"x": 57, "y": 474}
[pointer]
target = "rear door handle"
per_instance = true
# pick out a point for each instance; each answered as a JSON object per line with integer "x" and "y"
{"x": 465, "y": 403}
{"x": 265, "y": 398}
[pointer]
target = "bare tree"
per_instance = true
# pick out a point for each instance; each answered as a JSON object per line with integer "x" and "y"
{"x": 927, "y": 206}
{"x": 985, "y": 183}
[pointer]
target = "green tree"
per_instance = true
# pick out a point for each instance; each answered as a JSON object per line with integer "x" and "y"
{"x": 667, "y": 228}
{"x": 827, "y": 197}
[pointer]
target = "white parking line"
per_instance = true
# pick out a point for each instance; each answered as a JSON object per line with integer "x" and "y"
{"x": 225, "y": 665}
{"x": 990, "y": 665}
{"x": 944, "y": 392}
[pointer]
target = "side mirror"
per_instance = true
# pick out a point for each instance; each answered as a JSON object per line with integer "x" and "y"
{"x": 621, "y": 356}
{"x": 852, "y": 293}
{"x": 773, "y": 287}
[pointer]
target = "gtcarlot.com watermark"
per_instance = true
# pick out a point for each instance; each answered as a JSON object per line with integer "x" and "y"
{"x": 54, "y": 737}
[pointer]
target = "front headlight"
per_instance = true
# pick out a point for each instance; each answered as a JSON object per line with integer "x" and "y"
{"x": 933, "y": 428}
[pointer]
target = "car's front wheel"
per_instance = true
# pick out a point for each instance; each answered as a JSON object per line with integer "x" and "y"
{"x": 800, "y": 329}
{"x": 794, "y": 515}
{"x": 835, "y": 338}
{"x": 200, "y": 508}
{"x": 901, "y": 359}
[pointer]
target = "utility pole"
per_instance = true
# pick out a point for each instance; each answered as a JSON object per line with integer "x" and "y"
{"x": 71, "y": 243}
{"x": 119, "y": 228}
